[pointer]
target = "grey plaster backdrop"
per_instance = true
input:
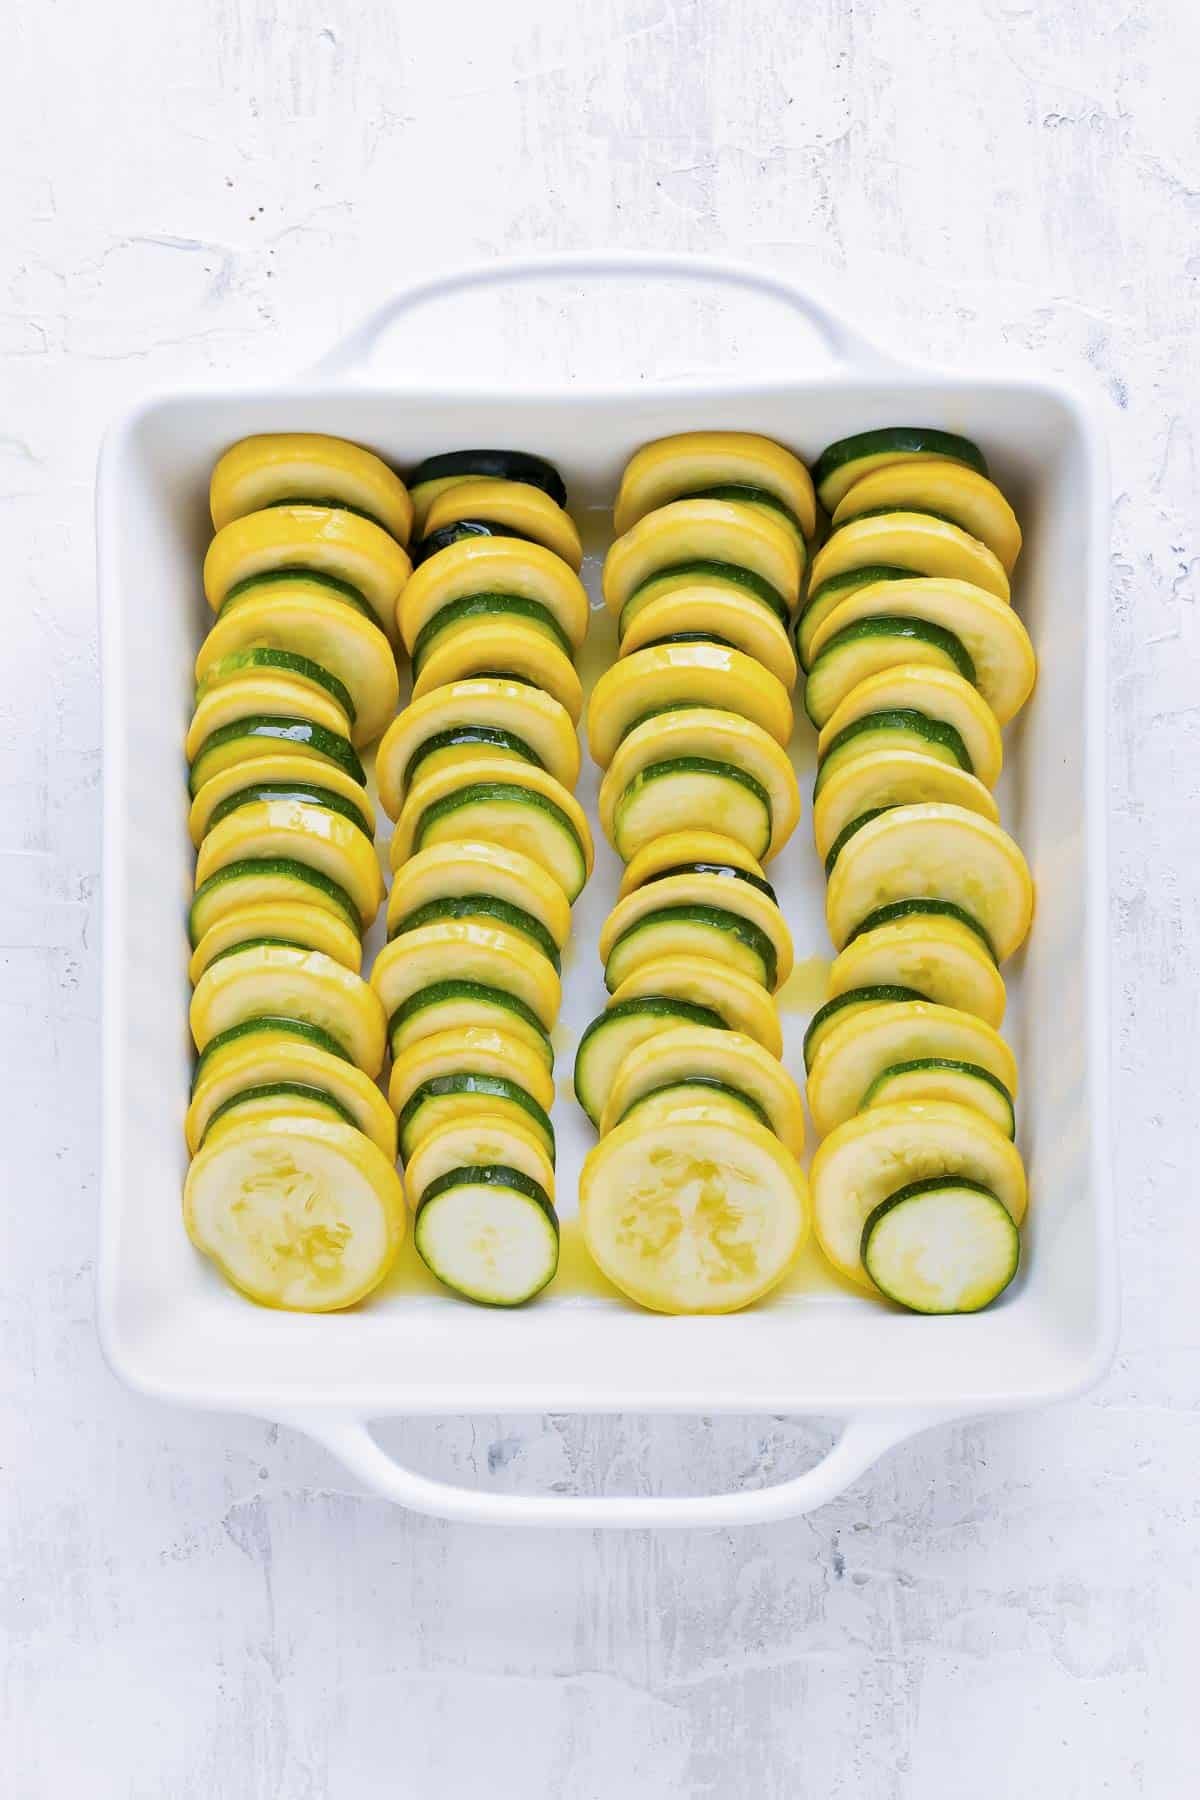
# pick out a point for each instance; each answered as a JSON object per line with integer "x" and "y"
{"x": 205, "y": 1609}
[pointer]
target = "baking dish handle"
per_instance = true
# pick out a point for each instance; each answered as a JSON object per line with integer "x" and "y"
{"x": 840, "y": 340}
{"x": 865, "y": 1438}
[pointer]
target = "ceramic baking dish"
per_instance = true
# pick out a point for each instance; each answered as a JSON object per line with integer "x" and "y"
{"x": 173, "y": 1329}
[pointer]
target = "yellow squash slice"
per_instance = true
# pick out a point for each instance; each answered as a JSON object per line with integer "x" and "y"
{"x": 910, "y": 540}
{"x": 684, "y": 847}
{"x": 933, "y": 852}
{"x": 688, "y": 674}
{"x": 288, "y": 922}
{"x": 284, "y": 770}
{"x": 519, "y": 807}
{"x": 937, "y": 955}
{"x": 493, "y": 566}
{"x": 701, "y": 1051}
{"x": 742, "y": 1002}
{"x": 283, "y": 466}
{"x": 502, "y": 646}
{"x": 518, "y": 504}
{"x": 458, "y": 870}
{"x": 297, "y": 1213}
{"x": 856, "y": 1050}
{"x": 974, "y": 503}
{"x": 885, "y": 778}
{"x": 461, "y": 950}
{"x": 704, "y": 531}
{"x": 876, "y": 1153}
{"x": 272, "y": 1057}
{"x": 694, "y": 460}
{"x": 695, "y": 1216}
{"x": 936, "y": 694}
{"x": 723, "y": 893}
{"x": 481, "y": 1140}
{"x": 469, "y": 1052}
{"x": 693, "y": 605}
{"x": 282, "y": 981}
{"x": 267, "y": 830}
{"x": 508, "y": 709}
{"x": 276, "y": 696}
{"x": 353, "y": 550}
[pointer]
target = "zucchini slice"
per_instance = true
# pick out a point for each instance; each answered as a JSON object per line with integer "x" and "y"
{"x": 682, "y": 793}
{"x": 850, "y": 459}
{"x": 459, "y": 1005}
{"x": 685, "y": 847}
{"x": 689, "y": 930}
{"x": 466, "y": 615}
{"x": 737, "y": 1000}
{"x": 265, "y": 694}
{"x": 822, "y": 601}
{"x": 689, "y": 1051}
{"x": 683, "y": 896}
{"x": 252, "y": 664}
{"x": 456, "y": 873}
{"x": 519, "y": 807}
{"x": 911, "y": 540}
{"x": 275, "y": 1100}
{"x": 901, "y": 728}
{"x": 696, "y": 1099}
{"x": 527, "y": 715}
{"x": 1003, "y": 665}
{"x": 876, "y": 1153}
{"x": 625, "y": 1023}
{"x": 297, "y": 616}
{"x": 285, "y": 921}
{"x": 469, "y": 1051}
{"x": 670, "y": 604}
{"x": 488, "y": 1233}
{"x": 851, "y": 1003}
{"x": 936, "y": 953}
{"x": 500, "y": 566}
{"x": 261, "y": 734}
{"x": 266, "y": 1051}
{"x": 280, "y": 774}
{"x": 240, "y": 886}
{"x": 668, "y": 675}
{"x": 672, "y": 467}
{"x": 281, "y": 467}
{"x": 886, "y": 778}
{"x": 941, "y": 1246}
{"x": 454, "y": 1099}
{"x": 490, "y": 956}
{"x": 933, "y": 694}
{"x": 945, "y": 1078}
{"x": 509, "y": 505}
{"x": 702, "y": 732}
{"x": 482, "y": 909}
{"x": 304, "y": 1214}
{"x": 293, "y": 831}
{"x": 506, "y": 647}
{"x": 933, "y": 852}
{"x": 694, "y": 1217}
{"x": 478, "y": 1139}
{"x": 948, "y": 489}
{"x": 309, "y": 538}
{"x": 263, "y": 980}
{"x": 855, "y": 1050}
{"x": 691, "y": 531}
{"x": 436, "y": 473}
{"x": 869, "y": 647}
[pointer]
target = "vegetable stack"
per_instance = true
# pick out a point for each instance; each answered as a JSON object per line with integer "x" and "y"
{"x": 693, "y": 1201}
{"x": 490, "y": 849}
{"x": 915, "y": 658}
{"x": 293, "y": 1189}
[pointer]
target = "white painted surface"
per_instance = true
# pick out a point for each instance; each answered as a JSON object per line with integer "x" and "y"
{"x": 202, "y": 1609}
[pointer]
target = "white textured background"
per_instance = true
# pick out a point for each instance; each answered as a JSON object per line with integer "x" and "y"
{"x": 202, "y": 1609}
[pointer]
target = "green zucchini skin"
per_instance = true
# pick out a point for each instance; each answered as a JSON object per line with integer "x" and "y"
{"x": 277, "y": 732}
{"x": 290, "y": 790}
{"x": 445, "y": 535}
{"x": 918, "y": 725}
{"x": 822, "y": 600}
{"x": 742, "y": 494}
{"x": 596, "y": 1057}
{"x": 251, "y": 868}
{"x": 912, "y": 1220}
{"x": 727, "y": 575}
{"x": 726, "y": 871}
{"x": 439, "y": 992}
{"x": 477, "y": 1275}
{"x": 484, "y": 792}
{"x": 711, "y": 1085}
{"x": 954, "y": 1066}
{"x": 501, "y": 465}
{"x": 888, "y": 630}
{"x": 485, "y": 737}
{"x": 299, "y": 1028}
{"x": 279, "y": 662}
{"x": 483, "y": 906}
{"x": 683, "y": 766}
{"x": 333, "y": 584}
{"x": 270, "y": 1090}
{"x": 879, "y": 995}
{"x": 891, "y": 439}
{"x": 847, "y": 832}
{"x": 909, "y": 909}
{"x": 492, "y": 1087}
{"x": 488, "y": 605}
{"x": 715, "y": 918}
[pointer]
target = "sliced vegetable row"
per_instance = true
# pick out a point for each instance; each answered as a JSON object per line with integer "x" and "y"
{"x": 489, "y": 851}
{"x": 292, "y": 1190}
{"x": 694, "y": 1200}
{"x": 915, "y": 659}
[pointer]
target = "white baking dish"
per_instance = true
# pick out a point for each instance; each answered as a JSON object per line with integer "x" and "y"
{"x": 171, "y": 1327}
